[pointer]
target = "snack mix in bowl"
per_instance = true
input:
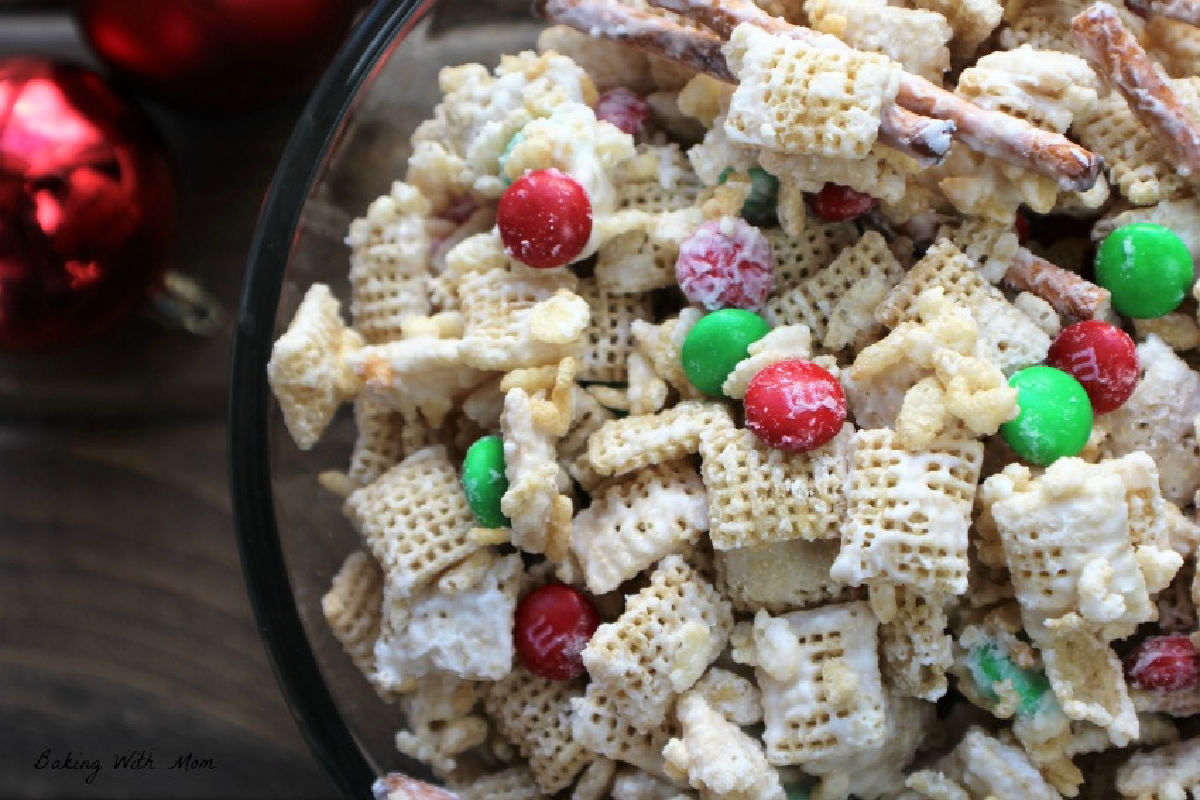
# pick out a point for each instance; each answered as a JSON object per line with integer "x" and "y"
{"x": 780, "y": 399}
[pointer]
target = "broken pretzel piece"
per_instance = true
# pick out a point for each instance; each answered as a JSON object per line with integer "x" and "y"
{"x": 1066, "y": 291}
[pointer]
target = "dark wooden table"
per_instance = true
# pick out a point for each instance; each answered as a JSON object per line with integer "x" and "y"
{"x": 124, "y": 620}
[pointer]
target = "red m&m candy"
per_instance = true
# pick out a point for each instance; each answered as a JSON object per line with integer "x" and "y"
{"x": 1102, "y": 358}
{"x": 545, "y": 218}
{"x": 794, "y": 405}
{"x": 624, "y": 108}
{"x": 1163, "y": 663}
{"x": 837, "y": 203}
{"x": 553, "y": 624}
{"x": 726, "y": 263}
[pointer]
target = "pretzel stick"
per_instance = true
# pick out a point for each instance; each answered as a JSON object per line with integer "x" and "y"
{"x": 991, "y": 132}
{"x": 1115, "y": 53}
{"x": 925, "y": 139}
{"x": 1067, "y": 292}
{"x": 1179, "y": 10}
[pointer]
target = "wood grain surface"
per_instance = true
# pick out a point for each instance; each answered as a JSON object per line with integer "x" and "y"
{"x": 124, "y": 620}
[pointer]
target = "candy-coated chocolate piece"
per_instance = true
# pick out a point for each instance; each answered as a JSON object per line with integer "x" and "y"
{"x": 545, "y": 218}
{"x": 837, "y": 203}
{"x": 1055, "y": 417}
{"x": 623, "y": 108}
{"x": 1147, "y": 268}
{"x": 989, "y": 666}
{"x": 516, "y": 139}
{"x": 726, "y": 263}
{"x": 552, "y": 625}
{"x": 484, "y": 481}
{"x": 759, "y": 206}
{"x": 716, "y": 344}
{"x": 794, "y": 405}
{"x": 1102, "y": 358}
{"x": 1163, "y": 663}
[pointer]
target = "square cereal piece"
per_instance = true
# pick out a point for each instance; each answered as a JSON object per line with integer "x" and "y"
{"x": 635, "y": 521}
{"x": 598, "y": 726}
{"x": 914, "y": 37}
{"x": 908, "y": 512}
{"x": 623, "y": 445}
{"x": 439, "y": 725}
{"x": 662, "y": 344}
{"x": 668, "y": 635}
{"x": 796, "y": 99}
{"x": 917, "y": 649}
{"x": 1088, "y": 682}
{"x": 384, "y": 439}
{"x": 1046, "y": 88}
{"x": 800, "y": 257}
{"x": 759, "y": 494}
{"x": 535, "y": 715}
{"x": 990, "y": 245}
{"x": 634, "y": 261}
{"x": 1166, "y": 772}
{"x": 994, "y": 768}
{"x": 779, "y": 576}
{"x": 659, "y": 178}
{"x": 353, "y": 607}
{"x": 824, "y": 699}
{"x": 414, "y": 519}
{"x": 607, "y": 338}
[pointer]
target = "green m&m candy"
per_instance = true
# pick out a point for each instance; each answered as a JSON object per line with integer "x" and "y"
{"x": 990, "y": 665}
{"x": 484, "y": 481}
{"x": 716, "y": 344}
{"x": 759, "y": 206}
{"x": 1146, "y": 267}
{"x": 1055, "y": 417}
{"x": 516, "y": 139}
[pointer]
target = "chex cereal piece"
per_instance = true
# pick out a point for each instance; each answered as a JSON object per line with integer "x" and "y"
{"x": 389, "y": 264}
{"x": 670, "y": 632}
{"x": 780, "y": 576}
{"x": 1011, "y": 340}
{"x": 715, "y": 756}
{"x": 917, "y": 650}
{"x": 598, "y": 726}
{"x": 662, "y": 345}
{"x": 972, "y": 21}
{"x": 414, "y": 519}
{"x": 353, "y": 607}
{"x": 782, "y": 343}
{"x": 759, "y": 494}
{"x": 1165, "y": 773}
{"x": 1042, "y": 24}
{"x": 307, "y": 370}
{"x": 659, "y": 178}
{"x": 1175, "y": 45}
{"x": 915, "y": 38}
{"x": 796, "y": 99}
{"x": 439, "y": 722}
{"x": 623, "y": 445}
{"x": 1088, "y": 682}
{"x": 540, "y": 513}
{"x": 636, "y": 261}
{"x": 991, "y": 767}
{"x": 424, "y": 375}
{"x": 818, "y": 671}
{"x": 514, "y": 783}
{"x": 990, "y": 245}
{"x": 1044, "y": 87}
{"x": 908, "y": 512}
{"x": 1068, "y": 546}
{"x": 730, "y": 695}
{"x": 801, "y": 256}
{"x": 837, "y": 303}
{"x": 635, "y": 521}
{"x": 535, "y": 715}
{"x": 467, "y": 633}
{"x": 883, "y": 172}
{"x": 587, "y": 416}
{"x": 1157, "y": 419}
{"x": 607, "y": 337}
{"x": 384, "y": 439}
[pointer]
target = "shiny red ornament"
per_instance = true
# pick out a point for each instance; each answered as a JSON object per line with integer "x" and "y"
{"x": 217, "y": 53}
{"x": 837, "y": 203}
{"x": 86, "y": 205}
{"x": 794, "y": 405}
{"x": 1163, "y": 663}
{"x": 1102, "y": 358}
{"x": 552, "y": 625}
{"x": 545, "y": 218}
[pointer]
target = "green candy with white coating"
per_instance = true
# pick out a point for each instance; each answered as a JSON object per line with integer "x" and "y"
{"x": 484, "y": 481}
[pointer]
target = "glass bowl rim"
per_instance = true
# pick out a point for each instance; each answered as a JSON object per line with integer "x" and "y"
{"x": 309, "y": 146}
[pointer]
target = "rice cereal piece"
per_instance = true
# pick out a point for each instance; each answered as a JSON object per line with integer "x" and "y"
{"x": 423, "y": 375}
{"x": 587, "y": 416}
{"x": 534, "y": 501}
{"x": 599, "y": 726}
{"x": 818, "y": 671}
{"x": 759, "y": 494}
{"x": 1165, "y": 773}
{"x": 353, "y": 607}
{"x": 439, "y": 723}
{"x": 668, "y": 635}
{"x": 883, "y": 173}
{"x": 908, "y": 512}
{"x": 989, "y": 767}
{"x": 514, "y": 783}
{"x": 1088, "y": 681}
{"x": 1038, "y": 310}
{"x": 917, "y": 650}
{"x": 607, "y": 337}
{"x": 913, "y": 37}
{"x": 624, "y": 445}
{"x": 646, "y": 391}
{"x": 635, "y": 521}
{"x": 307, "y": 370}
{"x": 1043, "y": 24}
{"x": 714, "y": 756}
{"x": 467, "y": 633}
{"x": 796, "y": 99}
{"x": 972, "y": 21}
{"x": 1158, "y": 417}
{"x": 662, "y": 345}
{"x": 780, "y": 576}
{"x": 535, "y": 715}
{"x": 414, "y": 519}
{"x": 730, "y": 695}
{"x": 1044, "y": 87}
{"x": 389, "y": 264}
{"x": 782, "y": 343}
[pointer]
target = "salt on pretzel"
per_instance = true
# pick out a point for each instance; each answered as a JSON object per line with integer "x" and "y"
{"x": 923, "y": 138}
{"x": 991, "y": 132}
{"x": 1114, "y": 52}
{"x": 1066, "y": 291}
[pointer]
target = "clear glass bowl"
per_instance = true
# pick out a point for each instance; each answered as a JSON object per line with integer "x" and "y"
{"x": 350, "y": 143}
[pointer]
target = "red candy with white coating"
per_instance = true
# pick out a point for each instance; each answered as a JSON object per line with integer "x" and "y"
{"x": 1163, "y": 663}
{"x": 625, "y": 109}
{"x": 837, "y": 203}
{"x": 726, "y": 263}
{"x": 795, "y": 405}
{"x": 1102, "y": 358}
{"x": 552, "y": 625}
{"x": 545, "y": 218}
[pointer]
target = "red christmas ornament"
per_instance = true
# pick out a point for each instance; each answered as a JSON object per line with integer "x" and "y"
{"x": 1102, "y": 358}
{"x": 794, "y": 405}
{"x": 726, "y": 263}
{"x": 217, "y": 53}
{"x": 837, "y": 203}
{"x": 1163, "y": 663}
{"x": 552, "y": 625}
{"x": 545, "y": 218}
{"x": 86, "y": 205}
